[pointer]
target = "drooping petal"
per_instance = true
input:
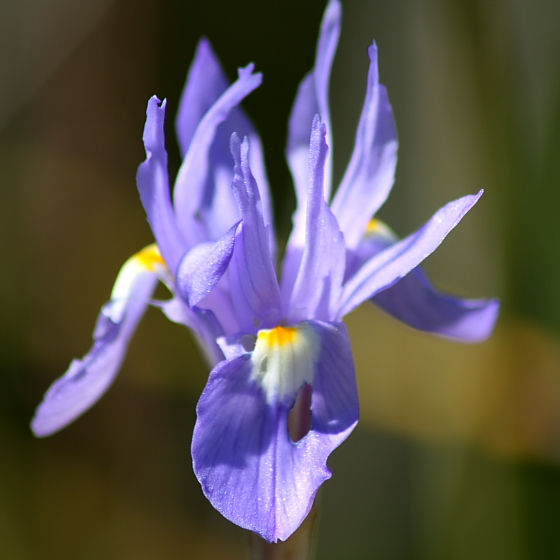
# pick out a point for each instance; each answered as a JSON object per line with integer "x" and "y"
{"x": 249, "y": 468}
{"x": 313, "y": 98}
{"x": 253, "y": 282}
{"x": 415, "y": 302}
{"x": 195, "y": 186}
{"x": 204, "y": 265}
{"x": 395, "y": 262}
{"x": 87, "y": 379}
{"x": 371, "y": 171}
{"x": 206, "y": 81}
{"x": 153, "y": 185}
{"x": 319, "y": 279}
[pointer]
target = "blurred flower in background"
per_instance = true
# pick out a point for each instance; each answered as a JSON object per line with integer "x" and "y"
{"x": 458, "y": 454}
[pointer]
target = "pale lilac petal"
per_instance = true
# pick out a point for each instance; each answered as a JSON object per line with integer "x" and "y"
{"x": 389, "y": 266}
{"x": 249, "y": 468}
{"x": 313, "y": 98}
{"x": 204, "y": 265}
{"x": 195, "y": 183}
{"x": 153, "y": 185}
{"x": 371, "y": 171}
{"x": 254, "y": 286}
{"x": 318, "y": 283}
{"x": 299, "y": 135}
{"x": 414, "y": 301}
{"x": 206, "y": 81}
{"x": 87, "y": 379}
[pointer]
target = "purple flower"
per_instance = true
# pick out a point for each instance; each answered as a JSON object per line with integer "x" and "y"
{"x": 269, "y": 342}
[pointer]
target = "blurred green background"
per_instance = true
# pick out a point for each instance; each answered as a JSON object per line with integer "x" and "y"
{"x": 458, "y": 452}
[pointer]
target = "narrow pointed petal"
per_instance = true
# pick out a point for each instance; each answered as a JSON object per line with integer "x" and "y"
{"x": 313, "y": 98}
{"x": 392, "y": 264}
{"x": 415, "y": 302}
{"x": 204, "y": 265}
{"x": 254, "y": 286}
{"x": 206, "y": 81}
{"x": 195, "y": 185}
{"x": 319, "y": 279}
{"x": 371, "y": 171}
{"x": 249, "y": 468}
{"x": 87, "y": 379}
{"x": 153, "y": 185}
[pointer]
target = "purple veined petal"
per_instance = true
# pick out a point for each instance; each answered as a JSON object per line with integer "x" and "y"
{"x": 87, "y": 379}
{"x": 318, "y": 284}
{"x": 190, "y": 187}
{"x": 389, "y": 266}
{"x": 313, "y": 98}
{"x": 153, "y": 185}
{"x": 201, "y": 280}
{"x": 299, "y": 135}
{"x": 206, "y": 81}
{"x": 415, "y": 302}
{"x": 377, "y": 238}
{"x": 371, "y": 171}
{"x": 248, "y": 466}
{"x": 254, "y": 287}
{"x": 219, "y": 208}
{"x": 326, "y": 49}
{"x": 203, "y": 266}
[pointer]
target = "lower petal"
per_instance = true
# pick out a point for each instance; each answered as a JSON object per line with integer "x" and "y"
{"x": 249, "y": 467}
{"x": 87, "y": 379}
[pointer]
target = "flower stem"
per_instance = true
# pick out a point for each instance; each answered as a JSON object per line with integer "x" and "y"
{"x": 298, "y": 547}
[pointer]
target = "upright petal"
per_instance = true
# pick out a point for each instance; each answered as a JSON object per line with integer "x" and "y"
{"x": 153, "y": 185}
{"x": 313, "y": 98}
{"x": 371, "y": 171}
{"x": 206, "y": 81}
{"x": 249, "y": 468}
{"x": 87, "y": 379}
{"x": 254, "y": 286}
{"x": 195, "y": 187}
{"x": 392, "y": 264}
{"x": 319, "y": 279}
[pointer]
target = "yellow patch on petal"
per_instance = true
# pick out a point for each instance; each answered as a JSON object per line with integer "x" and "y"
{"x": 284, "y": 360}
{"x": 377, "y": 227}
{"x": 278, "y": 336}
{"x": 150, "y": 257}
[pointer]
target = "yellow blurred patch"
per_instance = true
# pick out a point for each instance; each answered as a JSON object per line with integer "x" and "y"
{"x": 503, "y": 394}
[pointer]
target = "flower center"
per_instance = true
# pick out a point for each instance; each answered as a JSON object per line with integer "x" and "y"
{"x": 284, "y": 360}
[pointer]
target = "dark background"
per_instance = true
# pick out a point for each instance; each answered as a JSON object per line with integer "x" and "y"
{"x": 458, "y": 452}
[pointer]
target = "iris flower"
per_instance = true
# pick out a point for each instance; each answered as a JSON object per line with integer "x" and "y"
{"x": 270, "y": 342}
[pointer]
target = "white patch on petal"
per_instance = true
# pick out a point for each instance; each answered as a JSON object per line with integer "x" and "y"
{"x": 284, "y": 360}
{"x": 149, "y": 260}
